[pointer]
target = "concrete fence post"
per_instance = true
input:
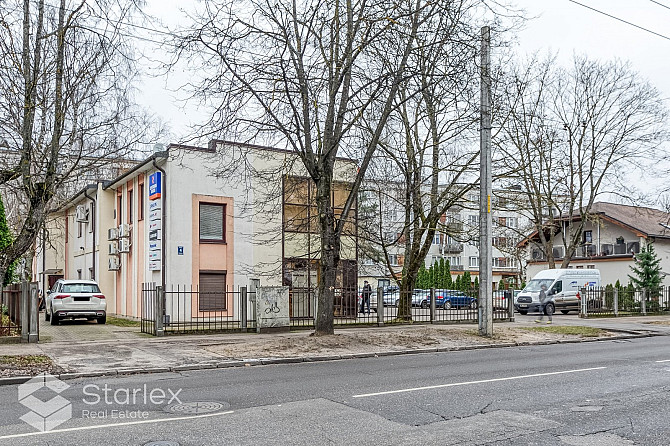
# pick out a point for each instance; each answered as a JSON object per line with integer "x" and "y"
{"x": 25, "y": 311}
{"x": 432, "y": 305}
{"x": 33, "y": 333}
{"x": 509, "y": 298}
{"x": 643, "y": 303}
{"x": 616, "y": 301}
{"x": 584, "y": 303}
{"x": 380, "y": 306}
{"x": 243, "y": 308}
{"x": 159, "y": 304}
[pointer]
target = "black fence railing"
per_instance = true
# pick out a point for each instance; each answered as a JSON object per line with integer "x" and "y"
{"x": 10, "y": 310}
{"x": 624, "y": 301}
{"x": 180, "y": 309}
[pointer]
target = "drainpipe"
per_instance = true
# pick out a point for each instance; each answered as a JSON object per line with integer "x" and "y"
{"x": 93, "y": 222}
{"x": 163, "y": 224}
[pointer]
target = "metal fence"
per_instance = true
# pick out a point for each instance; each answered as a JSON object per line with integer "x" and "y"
{"x": 179, "y": 309}
{"x": 624, "y": 301}
{"x": 10, "y": 310}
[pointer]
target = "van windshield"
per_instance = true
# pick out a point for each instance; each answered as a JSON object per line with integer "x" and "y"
{"x": 536, "y": 284}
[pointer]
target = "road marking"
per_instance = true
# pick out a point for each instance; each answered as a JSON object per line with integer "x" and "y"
{"x": 665, "y": 360}
{"x": 102, "y": 426}
{"x": 509, "y": 378}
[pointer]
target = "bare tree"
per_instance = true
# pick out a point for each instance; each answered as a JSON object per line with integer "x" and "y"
{"x": 65, "y": 103}
{"x": 572, "y": 135}
{"x": 305, "y": 75}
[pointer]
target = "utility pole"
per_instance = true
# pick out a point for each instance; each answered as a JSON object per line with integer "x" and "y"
{"x": 485, "y": 250}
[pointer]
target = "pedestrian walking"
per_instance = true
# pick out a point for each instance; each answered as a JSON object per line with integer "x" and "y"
{"x": 544, "y": 300}
{"x": 365, "y": 296}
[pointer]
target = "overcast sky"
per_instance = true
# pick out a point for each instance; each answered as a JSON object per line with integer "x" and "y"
{"x": 556, "y": 25}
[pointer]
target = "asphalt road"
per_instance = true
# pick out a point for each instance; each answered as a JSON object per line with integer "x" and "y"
{"x": 600, "y": 393}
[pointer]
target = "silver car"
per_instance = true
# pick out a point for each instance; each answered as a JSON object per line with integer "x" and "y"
{"x": 75, "y": 299}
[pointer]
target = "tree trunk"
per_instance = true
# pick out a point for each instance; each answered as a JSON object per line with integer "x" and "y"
{"x": 330, "y": 258}
{"x": 406, "y": 291}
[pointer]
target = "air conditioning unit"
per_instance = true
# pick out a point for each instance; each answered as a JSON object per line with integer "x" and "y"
{"x": 81, "y": 214}
{"x": 124, "y": 245}
{"x": 114, "y": 264}
{"x": 112, "y": 234}
{"x": 124, "y": 230}
{"x": 113, "y": 249}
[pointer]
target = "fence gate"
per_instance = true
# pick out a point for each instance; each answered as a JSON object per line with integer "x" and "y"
{"x": 149, "y": 297}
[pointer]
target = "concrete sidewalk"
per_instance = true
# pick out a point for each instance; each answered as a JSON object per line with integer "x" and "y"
{"x": 136, "y": 353}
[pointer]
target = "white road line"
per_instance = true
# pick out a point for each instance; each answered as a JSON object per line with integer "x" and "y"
{"x": 102, "y": 426}
{"x": 665, "y": 360}
{"x": 509, "y": 378}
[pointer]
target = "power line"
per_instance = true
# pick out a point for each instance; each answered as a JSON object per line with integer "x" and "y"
{"x": 660, "y": 4}
{"x": 621, "y": 20}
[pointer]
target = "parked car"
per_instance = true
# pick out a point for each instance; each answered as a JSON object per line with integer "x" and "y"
{"x": 500, "y": 301}
{"x": 75, "y": 299}
{"x": 448, "y": 299}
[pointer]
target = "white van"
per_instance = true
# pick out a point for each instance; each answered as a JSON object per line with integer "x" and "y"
{"x": 563, "y": 287}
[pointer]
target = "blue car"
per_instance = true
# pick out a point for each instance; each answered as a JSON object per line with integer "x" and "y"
{"x": 448, "y": 299}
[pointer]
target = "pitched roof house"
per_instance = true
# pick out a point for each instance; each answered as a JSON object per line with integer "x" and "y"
{"x": 611, "y": 237}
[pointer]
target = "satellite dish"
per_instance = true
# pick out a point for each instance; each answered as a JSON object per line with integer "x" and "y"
{"x": 158, "y": 147}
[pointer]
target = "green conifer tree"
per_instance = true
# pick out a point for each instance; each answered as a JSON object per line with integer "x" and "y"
{"x": 646, "y": 269}
{"x": 6, "y": 240}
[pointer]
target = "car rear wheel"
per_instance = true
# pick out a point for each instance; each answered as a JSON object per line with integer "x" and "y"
{"x": 524, "y": 312}
{"x": 424, "y": 304}
{"x": 565, "y": 311}
{"x": 47, "y": 316}
{"x": 102, "y": 319}
{"x": 447, "y": 305}
{"x": 54, "y": 318}
{"x": 473, "y": 305}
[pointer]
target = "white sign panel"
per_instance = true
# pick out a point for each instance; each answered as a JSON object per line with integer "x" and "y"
{"x": 154, "y": 255}
{"x": 154, "y": 246}
{"x": 154, "y": 225}
{"x": 155, "y": 205}
{"x": 155, "y": 215}
{"x": 155, "y": 266}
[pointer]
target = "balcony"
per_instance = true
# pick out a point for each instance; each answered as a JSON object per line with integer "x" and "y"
{"x": 451, "y": 248}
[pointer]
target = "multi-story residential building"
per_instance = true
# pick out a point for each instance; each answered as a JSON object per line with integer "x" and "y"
{"x": 457, "y": 238}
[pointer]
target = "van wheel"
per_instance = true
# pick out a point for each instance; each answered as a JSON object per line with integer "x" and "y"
{"x": 565, "y": 311}
{"x": 524, "y": 312}
{"x": 424, "y": 304}
{"x": 548, "y": 307}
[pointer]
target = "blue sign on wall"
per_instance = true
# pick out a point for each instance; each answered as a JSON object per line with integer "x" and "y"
{"x": 154, "y": 186}
{"x": 180, "y": 250}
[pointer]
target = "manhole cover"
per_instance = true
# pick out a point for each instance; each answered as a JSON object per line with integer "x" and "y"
{"x": 196, "y": 408}
{"x": 162, "y": 443}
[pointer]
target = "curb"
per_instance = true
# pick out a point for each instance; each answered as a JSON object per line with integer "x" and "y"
{"x": 626, "y": 334}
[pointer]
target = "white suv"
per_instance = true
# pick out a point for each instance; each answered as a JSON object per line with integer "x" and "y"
{"x": 75, "y": 299}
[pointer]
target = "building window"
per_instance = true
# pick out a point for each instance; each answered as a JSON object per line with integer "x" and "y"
{"x": 436, "y": 239}
{"x": 130, "y": 207}
{"x": 393, "y": 259}
{"x": 590, "y": 267}
{"x": 140, "y": 203}
{"x": 473, "y": 220}
{"x": 212, "y": 223}
{"x": 580, "y": 266}
{"x": 474, "y": 262}
{"x": 79, "y": 225}
{"x": 91, "y": 218}
{"x": 119, "y": 203}
{"x": 588, "y": 237}
{"x": 368, "y": 261}
{"x": 212, "y": 291}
